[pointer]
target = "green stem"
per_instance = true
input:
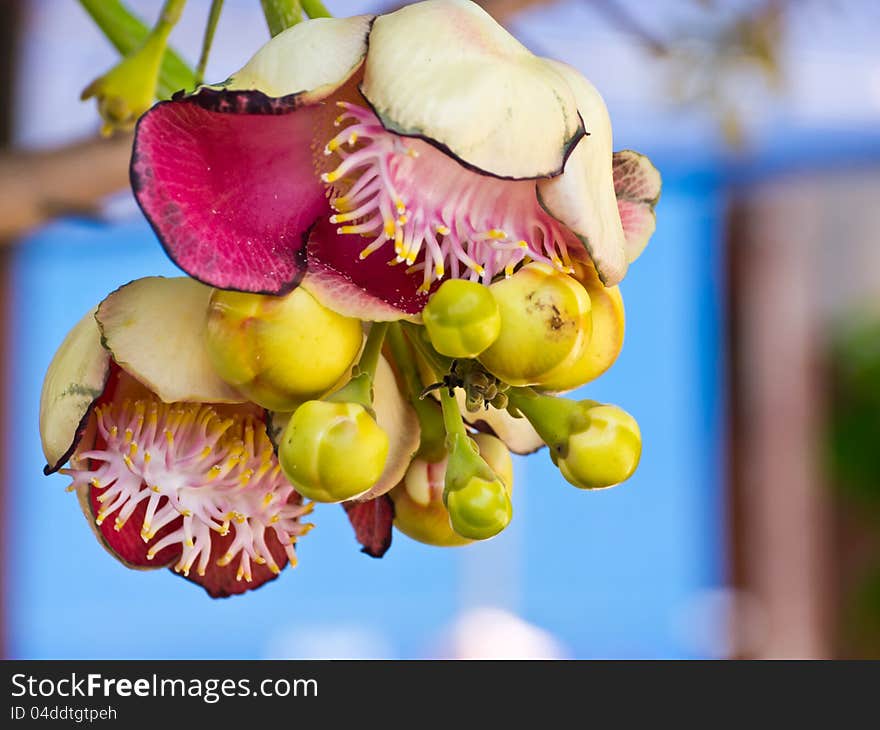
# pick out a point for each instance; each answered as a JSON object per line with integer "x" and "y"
{"x": 405, "y": 365}
{"x": 360, "y": 388}
{"x": 432, "y": 445}
{"x": 168, "y": 17}
{"x": 373, "y": 348}
{"x": 126, "y": 32}
{"x": 451, "y": 416}
{"x": 315, "y": 9}
{"x": 281, "y": 14}
{"x": 171, "y": 12}
{"x": 437, "y": 363}
{"x": 208, "y": 39}
{"x": 552, "y": 417}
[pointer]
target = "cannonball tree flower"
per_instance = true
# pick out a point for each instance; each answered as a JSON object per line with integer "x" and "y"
{"x": 171, "y": 465}
{"x": 428, "y": 139}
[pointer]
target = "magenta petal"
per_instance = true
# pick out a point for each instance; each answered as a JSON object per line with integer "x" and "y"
{"x": 372, "y": 521}
{"x": 228, "y": 182}
{"x": 369, "y": 289}
{"x": 222, "y": 581}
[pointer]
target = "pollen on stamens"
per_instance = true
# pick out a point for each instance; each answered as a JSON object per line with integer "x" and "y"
{"x": 209, "y": 477}
{"x": 440, "y": 218}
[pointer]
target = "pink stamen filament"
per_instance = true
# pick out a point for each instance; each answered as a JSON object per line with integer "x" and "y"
{"x": 443, "y": 219}
{"x": 216, "y": 475}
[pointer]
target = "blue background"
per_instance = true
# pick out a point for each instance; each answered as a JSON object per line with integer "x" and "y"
{"x": 607, "y": 574}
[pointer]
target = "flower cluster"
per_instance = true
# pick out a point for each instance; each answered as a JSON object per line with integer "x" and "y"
{"x": 403, "y": 236}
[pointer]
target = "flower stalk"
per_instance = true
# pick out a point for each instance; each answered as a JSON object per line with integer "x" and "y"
{"x": 281, "y": 14}
{"x": 315, "y": 9}
{"x": 208, "y": 38}
{"x": 360, "y": 388}
{"x": 432, "y": 446}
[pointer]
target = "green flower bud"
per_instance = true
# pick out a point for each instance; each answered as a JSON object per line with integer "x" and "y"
{"x": 419, "y": 511}
{"x": 280, "y": 351}
{"x": 594, "y": 445}
{"x": 608, "y": 319}
{"x": 128, "y": 89}
{"x": 545, "y": 323}
{"x": 476, "y": 497}
{"x": 603, "y": 454}
{"x": 332, "y": 452}
{"x": 462, "y": 318}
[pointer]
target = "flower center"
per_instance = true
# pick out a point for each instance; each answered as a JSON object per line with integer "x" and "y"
{"x": 442, "y": 218}
{"x": 213, "y": 474}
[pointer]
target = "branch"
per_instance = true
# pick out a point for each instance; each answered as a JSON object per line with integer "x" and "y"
{"x": 618, "y": 15}
{"x": 38, "y": 186}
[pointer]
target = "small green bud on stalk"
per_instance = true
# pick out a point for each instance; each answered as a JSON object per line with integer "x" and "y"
{"x": 546, "y": 324}
{"x": 594, "y": 445}
{"x": 462, "y": 318}
{"x": 477, "y": 499}
{"x": 419, "y": 511}
{"x": 332, "y": 452}
{"x": 280, "y": 351}
{"x": 128, "y": 89}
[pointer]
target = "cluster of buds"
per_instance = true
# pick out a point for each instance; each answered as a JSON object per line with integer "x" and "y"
{"x": 383, "y": 304}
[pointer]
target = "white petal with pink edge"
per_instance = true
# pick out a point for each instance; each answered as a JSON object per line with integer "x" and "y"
{"x": 637, "y": 185}
{"x": 444, "y": 70}
{"x": 583, "y": 196}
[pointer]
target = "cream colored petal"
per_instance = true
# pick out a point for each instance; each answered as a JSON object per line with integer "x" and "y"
{"x": 76, "y": 378}
{"x": 314, "y": 58}
{"x": 637, "y": 185}
{"x": 517, "y": 433}
{"x": 398, "y": 419}
{"x": 446, "y": 71}
{"x": 154, "y": 328}
{"x": 583, "y": 196}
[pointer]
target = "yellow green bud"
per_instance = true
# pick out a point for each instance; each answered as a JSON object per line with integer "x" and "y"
{"x": 128, "y": 89}
{"x": 608, "y": 320}
{"x": 480, "y": 509}
{"x": 477, "y": 498}
{"x": 594, "y": 445}
{"x": 280, "y": 351}
{"x": 419, "y": 511}
{"x": 332, "y": 452}
{"x": 462, "y": 318}
{"x": 603, "y": 453}
{"x": 545, "y": 325}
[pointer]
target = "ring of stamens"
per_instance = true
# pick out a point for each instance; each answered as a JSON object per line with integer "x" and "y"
{"x": 212, "y": 474}
{"x": 441, "y": 218}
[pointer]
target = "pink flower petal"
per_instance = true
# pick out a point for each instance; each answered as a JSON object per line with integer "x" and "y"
{"x": 126, "y": 543}
{"x": 221, "y": 582}
{"x": 227, "y": 180}
{"x": 372, "y": 522}
{"x": 637, "y": 187}
{"x": 370, "y": 289}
